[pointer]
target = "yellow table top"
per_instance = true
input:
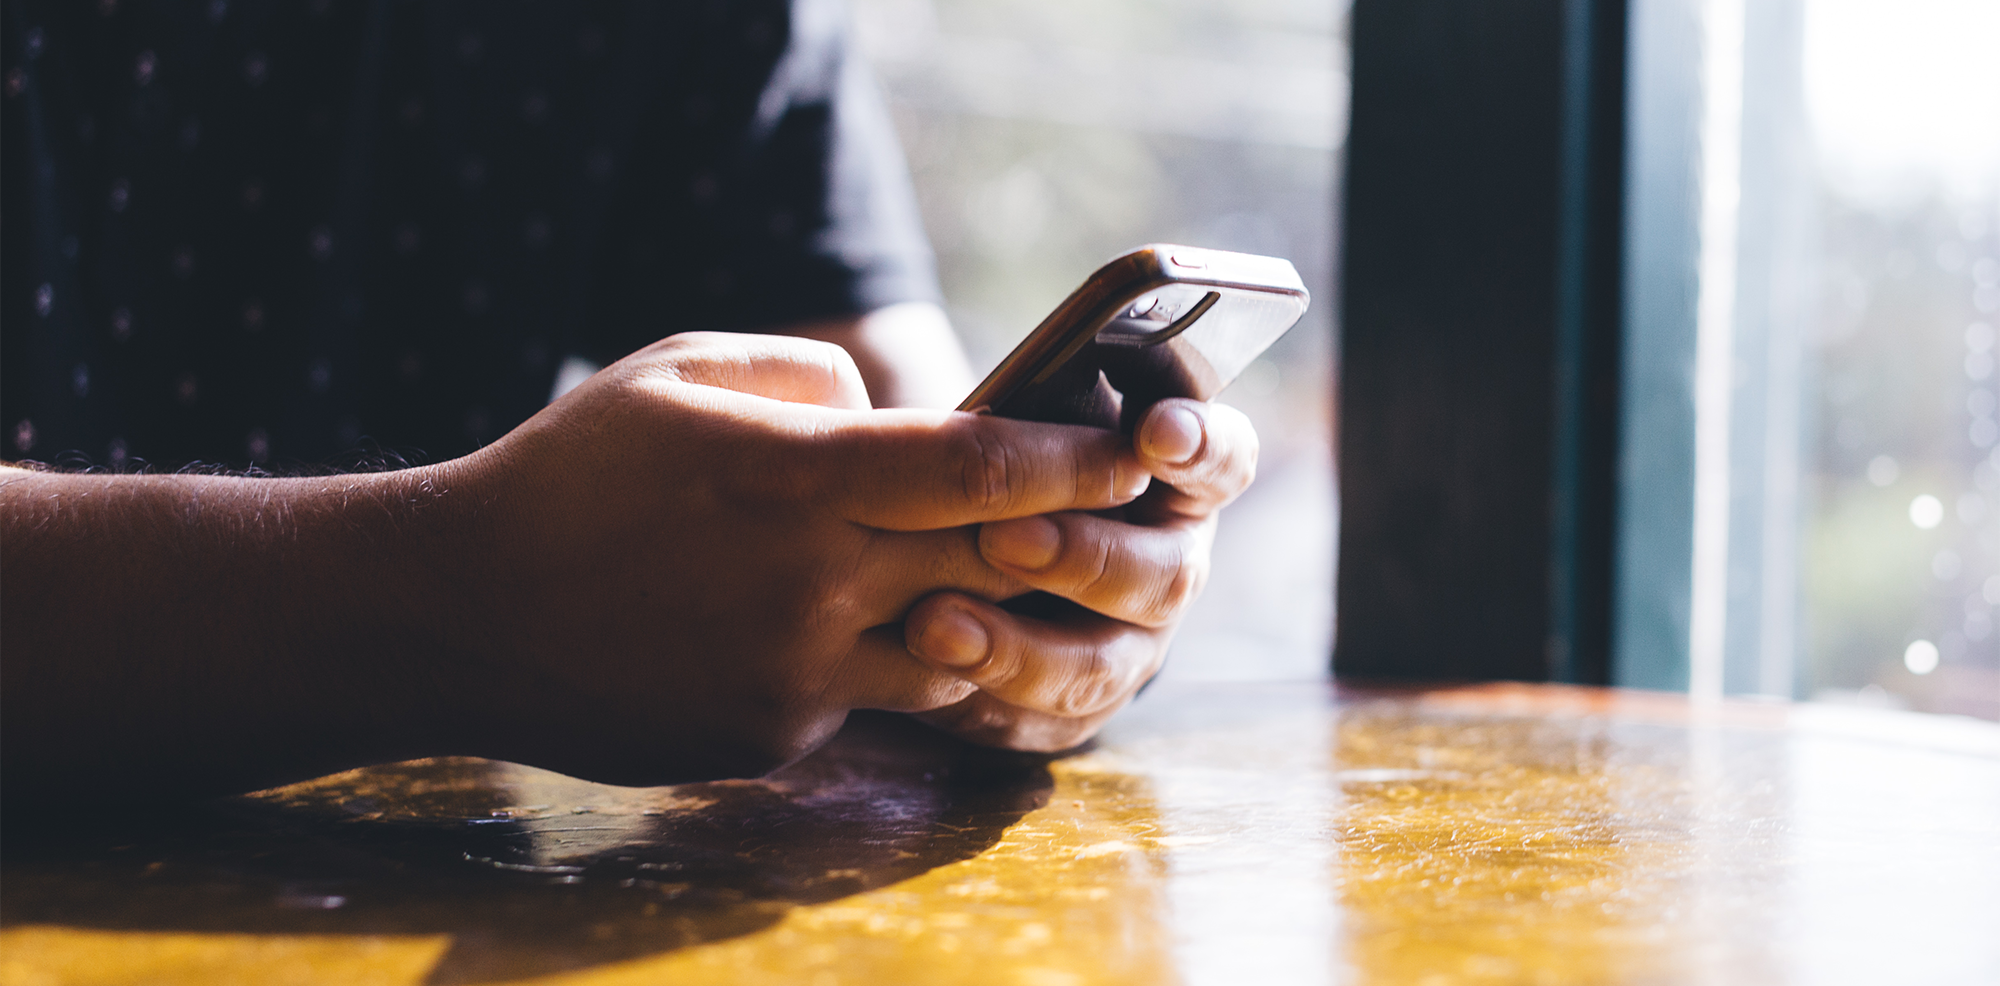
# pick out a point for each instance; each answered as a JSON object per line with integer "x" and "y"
{"x": 1217, "y": 834}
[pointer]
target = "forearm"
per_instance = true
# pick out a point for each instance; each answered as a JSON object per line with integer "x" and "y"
{"x": 200, "y": 634}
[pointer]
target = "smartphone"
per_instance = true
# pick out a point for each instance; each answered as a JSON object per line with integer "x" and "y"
{"x": 1160, "y": 321}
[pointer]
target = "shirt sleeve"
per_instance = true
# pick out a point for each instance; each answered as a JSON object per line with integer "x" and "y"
{"x": 767, "y": 190}
{"x": 874, "y": 227}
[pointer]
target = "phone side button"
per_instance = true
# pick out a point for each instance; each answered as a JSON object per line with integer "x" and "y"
{"x": 1191, "y": 261}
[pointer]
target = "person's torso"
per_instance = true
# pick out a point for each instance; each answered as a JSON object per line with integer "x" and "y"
{"x": 250, "y": 232}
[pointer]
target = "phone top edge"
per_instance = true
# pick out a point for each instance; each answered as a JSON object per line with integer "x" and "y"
{"x": 1202, "y": 265}
{"x": 1116, "y": 283}
{"x": 1120, "y": 281}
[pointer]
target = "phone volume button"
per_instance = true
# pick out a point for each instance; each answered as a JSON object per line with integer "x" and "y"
{"x": 1190, "y": 261}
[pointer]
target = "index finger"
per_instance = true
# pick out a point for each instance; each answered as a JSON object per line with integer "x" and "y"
{"x": 913, "y": 471}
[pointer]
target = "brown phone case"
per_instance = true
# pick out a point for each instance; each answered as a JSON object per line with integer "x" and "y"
{"x": 1160, "y": 321}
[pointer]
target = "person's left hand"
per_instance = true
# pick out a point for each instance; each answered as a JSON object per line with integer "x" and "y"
{"x": 1131, "y": 578}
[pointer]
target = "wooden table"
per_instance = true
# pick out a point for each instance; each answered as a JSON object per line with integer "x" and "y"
{"x": 1218, "y": 834}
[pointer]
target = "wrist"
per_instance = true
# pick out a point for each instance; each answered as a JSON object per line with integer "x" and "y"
{"x": 382, "y": 604}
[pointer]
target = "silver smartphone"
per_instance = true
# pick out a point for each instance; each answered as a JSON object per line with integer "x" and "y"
{"x": 1160, "y": 321}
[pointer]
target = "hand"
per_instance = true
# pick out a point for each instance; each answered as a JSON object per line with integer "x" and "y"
{"x": 692, "y": 566}
{"x": 1047, "y": 682}
{"x": 697, "y": 562}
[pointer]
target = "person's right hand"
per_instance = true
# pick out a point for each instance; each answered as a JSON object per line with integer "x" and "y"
{"x": 697, "y": 562}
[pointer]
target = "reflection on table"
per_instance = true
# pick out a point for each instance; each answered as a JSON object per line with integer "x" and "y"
{"x": 1218, "y": 833}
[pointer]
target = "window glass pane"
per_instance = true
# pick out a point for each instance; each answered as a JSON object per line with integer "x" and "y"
{"x": 1046, "y": 136}
{"x": 1900, "y": 573}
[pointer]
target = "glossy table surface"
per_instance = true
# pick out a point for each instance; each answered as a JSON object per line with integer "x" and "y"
{"x": 1216, "y": 834}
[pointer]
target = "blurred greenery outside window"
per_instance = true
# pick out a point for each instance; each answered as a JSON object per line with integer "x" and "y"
{"x": 1903, "y": 545}
{"x": 1046, "y": 136}
{"x": 1888, "y": 255}
{"x": 1845, "y": 299}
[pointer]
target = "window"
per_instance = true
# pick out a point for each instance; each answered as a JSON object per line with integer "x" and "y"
{"x": 1901, "y": 282}
{"x": 1840, "y": 304}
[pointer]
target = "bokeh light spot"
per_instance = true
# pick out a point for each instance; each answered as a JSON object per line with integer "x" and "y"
{"x": 1926, "y": 511}
{"x": 1921, "y": 657}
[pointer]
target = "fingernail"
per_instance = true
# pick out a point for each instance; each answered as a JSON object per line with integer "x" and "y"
{"x": 953, "y": 638}
{"x": 1173, "y": 436}
{"x": 1130, "y": 478}
{"x": 1026, "y": 542}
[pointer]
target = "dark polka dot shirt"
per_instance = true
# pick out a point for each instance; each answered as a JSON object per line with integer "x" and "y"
{"x": 245, "y": 232}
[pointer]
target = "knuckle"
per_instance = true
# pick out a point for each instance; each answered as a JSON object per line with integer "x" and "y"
{"x": 942, "y": 691}
{"x": 1017, "y": 732}
{"x": 829, "y": 365}
{"x": 1006, "y": 732}
{"x": 1097, "y": 571}
{"x": 1033, "y": 741}
{"x": 1180, "y": 590}
{"x": 1050, "y": 735}
{"x": 989, "y": 469}
{"x": 1020, "y": 730}
{"x": 1090, "y": 687}
{"x": 832, "y": 601}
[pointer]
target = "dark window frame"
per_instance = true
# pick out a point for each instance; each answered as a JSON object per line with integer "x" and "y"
{"x": 1481, "y": 301}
